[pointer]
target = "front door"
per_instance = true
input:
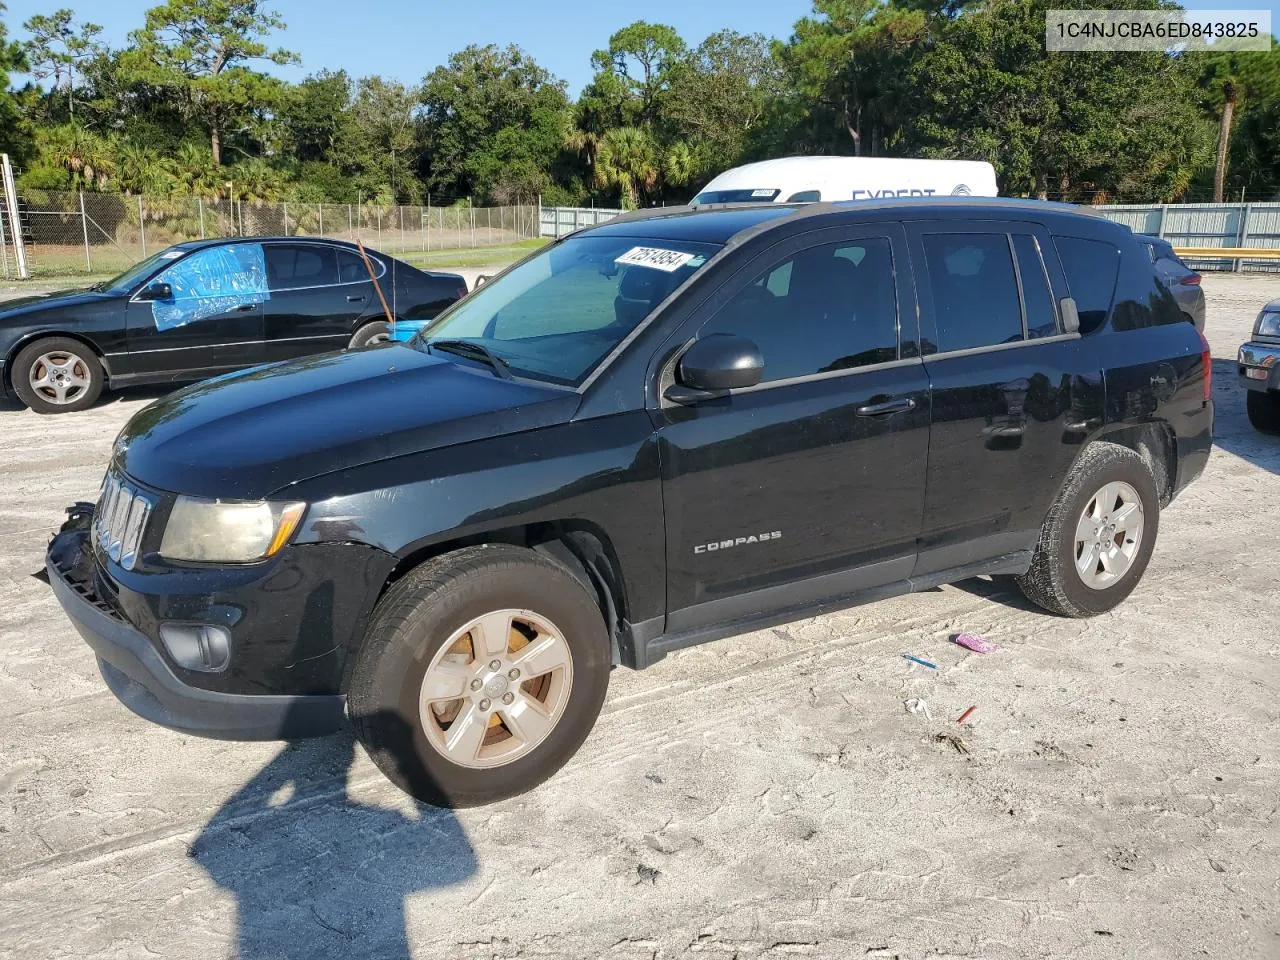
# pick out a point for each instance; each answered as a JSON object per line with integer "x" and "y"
{"x": 810, "y": 484}
{"x": 211, "y": 323}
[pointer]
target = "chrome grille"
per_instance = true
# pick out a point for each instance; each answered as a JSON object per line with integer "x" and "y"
{"x": 121, "y": 519}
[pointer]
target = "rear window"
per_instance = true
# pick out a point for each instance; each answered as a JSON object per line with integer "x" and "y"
{"x": 1092, "y": 267}
{"x": 975, "y": 291}
{"x": 292, "y": 266}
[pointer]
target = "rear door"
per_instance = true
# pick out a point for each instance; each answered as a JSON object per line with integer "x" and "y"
{"x": 311, "y": 310}
{"x": 810, "y": 484}
{"x": 211, "y": 324}
{"x": 1009, "y": 387}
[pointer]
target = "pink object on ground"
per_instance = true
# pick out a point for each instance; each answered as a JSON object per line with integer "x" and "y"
{"x": 971, "y": 641}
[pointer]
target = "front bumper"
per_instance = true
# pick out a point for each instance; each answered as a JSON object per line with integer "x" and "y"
{"x": 139, "y": 676}
{"x": 1259, "y": 366}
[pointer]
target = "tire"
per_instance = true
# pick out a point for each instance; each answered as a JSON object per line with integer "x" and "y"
{"x": 72, "y": 376}
{"x": 1264, "y": 410}
{"x": 413, "y": 630}
{"x": 1056, "y": 580}
{"x": 377, "y": 332}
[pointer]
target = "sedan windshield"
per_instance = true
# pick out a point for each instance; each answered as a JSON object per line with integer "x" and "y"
{"x": 130, "y": 278}
{"x": 556, "y": 316}
{"x": 767, "y": 195}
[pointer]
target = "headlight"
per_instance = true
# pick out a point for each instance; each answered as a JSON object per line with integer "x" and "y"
{"x": 213, "y": 531}
{"x": 1268, "y": 324}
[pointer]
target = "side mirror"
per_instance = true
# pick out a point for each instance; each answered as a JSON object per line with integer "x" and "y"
{"x": 1070, "y": 315}
{"x": 715, "y": 365}
{"x": 156, "y": 291}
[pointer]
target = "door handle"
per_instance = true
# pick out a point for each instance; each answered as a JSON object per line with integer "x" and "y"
{"x": 243, "y": 308}
{"x": 887, "y": 408}
{"x": 355, "y": 299}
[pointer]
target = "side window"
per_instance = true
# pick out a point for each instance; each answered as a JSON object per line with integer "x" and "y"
{"x": 351, "y": 268}
{"x": 1092, "y": 267}
{"x": 975, "y": 292}
{"x": 805, "y": 196}
{"x": 291, "y": 266}
{"x": 210, "y": 282}
{"x": 1037, "y": 298}
{"x": 830, "y": 307}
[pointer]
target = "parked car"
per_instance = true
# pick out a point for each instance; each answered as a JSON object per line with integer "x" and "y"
{"x": 1259, "y": 362}
{"x": 1183, "y": 282}
{"x": 672, "y": 427}
{"x": 205, "y": 308}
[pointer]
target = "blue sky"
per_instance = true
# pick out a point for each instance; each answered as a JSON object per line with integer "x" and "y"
{"x": 406, "y": 40}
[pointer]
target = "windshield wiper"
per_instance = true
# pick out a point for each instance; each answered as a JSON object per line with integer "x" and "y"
{"x": 473, "y": 351}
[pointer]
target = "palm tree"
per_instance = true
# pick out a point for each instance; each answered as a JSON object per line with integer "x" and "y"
{"x": 627, "y": 160}
{"x": 678, "y": 164}
{"x": 84, "y": 154}
{"x": 1231, "y": 89}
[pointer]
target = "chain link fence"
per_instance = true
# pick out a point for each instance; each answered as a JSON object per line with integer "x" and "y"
{"x": 67, "y": 233}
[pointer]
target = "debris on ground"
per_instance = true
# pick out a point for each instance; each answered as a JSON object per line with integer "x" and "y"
{"x": 915, "y": 705}
{"x": 971, "y": 641}
{"x": 965, "y": 716}
{"x": 954, "y": 740}
{"x": 923, "y": 663}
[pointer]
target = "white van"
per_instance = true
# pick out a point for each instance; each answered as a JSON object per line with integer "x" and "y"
{"x": 810, "y": 179}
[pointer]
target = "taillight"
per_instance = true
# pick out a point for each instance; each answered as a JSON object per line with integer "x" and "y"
{"x": 1206, "y": 359}
{"x": 1191, "y": 280}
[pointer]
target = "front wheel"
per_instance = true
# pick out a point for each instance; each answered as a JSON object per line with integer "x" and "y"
{"x": 481, "y": 674}
{"x": 57, "y": 375}
{"x": 1098, "y": 536}
{"x": 1264, "y": 411}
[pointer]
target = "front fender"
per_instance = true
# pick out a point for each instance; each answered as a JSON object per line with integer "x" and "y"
{"x": 599, "y": 475}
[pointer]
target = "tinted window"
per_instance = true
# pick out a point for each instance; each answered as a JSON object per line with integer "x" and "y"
{"x": 735, "y": 196}
{"x": 1091, "y": 267}
{"x": 805, "y": 196}
{"x": 352, "y": 269}
{"x": 830, "y": 307}
{"x": 975, "y": 292}
{"x": 1037, "y": 299}
{"x": 294, "y": 265}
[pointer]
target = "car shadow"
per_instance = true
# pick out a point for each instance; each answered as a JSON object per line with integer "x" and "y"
{"x": 1231, "y": 428}
{"x": 998, "y": 589}
{"x": 317, "y": 873}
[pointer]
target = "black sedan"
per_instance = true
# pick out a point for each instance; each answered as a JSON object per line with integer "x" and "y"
{"x": 205, "y": 308}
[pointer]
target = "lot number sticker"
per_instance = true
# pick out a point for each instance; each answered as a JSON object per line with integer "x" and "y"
{"x": 667, "y": 261}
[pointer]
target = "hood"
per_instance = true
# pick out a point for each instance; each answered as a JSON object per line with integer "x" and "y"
{"x": 246, "y": 435}
{"x": 20, "y": 306}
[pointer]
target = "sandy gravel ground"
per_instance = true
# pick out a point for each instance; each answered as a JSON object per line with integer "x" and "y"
{"x": 763, "y": 796}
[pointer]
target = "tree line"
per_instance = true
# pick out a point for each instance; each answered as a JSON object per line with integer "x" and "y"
{"x": 188, "y": 107}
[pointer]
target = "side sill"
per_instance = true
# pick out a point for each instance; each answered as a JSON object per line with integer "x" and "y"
{"x": 645, "y": 643}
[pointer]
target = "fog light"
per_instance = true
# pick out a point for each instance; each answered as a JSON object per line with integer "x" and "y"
{"x": 197, "y": 646}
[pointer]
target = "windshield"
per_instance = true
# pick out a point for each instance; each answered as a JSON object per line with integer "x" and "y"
{"x": 129, "y": 279}
{"x": 734, "y": 196}
{"x": 556, "y": 316}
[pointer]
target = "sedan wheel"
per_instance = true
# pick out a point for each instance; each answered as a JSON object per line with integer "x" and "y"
{"x": 60, "y": 377}
{"x": 57, "y": 375}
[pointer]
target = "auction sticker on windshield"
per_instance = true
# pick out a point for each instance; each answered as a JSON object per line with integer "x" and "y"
{"x": 655, "y": 257}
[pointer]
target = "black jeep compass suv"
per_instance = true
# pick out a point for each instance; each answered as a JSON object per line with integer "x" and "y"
{"x": 670, "y": 428}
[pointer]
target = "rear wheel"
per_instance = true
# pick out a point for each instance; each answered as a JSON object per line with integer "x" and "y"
{"x": 481, "y": 674}
{"x": 1098, "y": 536}
{"x": 1264, "y": 410}
{"x": 377, "y": 332}
{"x": 57, "y": 375}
